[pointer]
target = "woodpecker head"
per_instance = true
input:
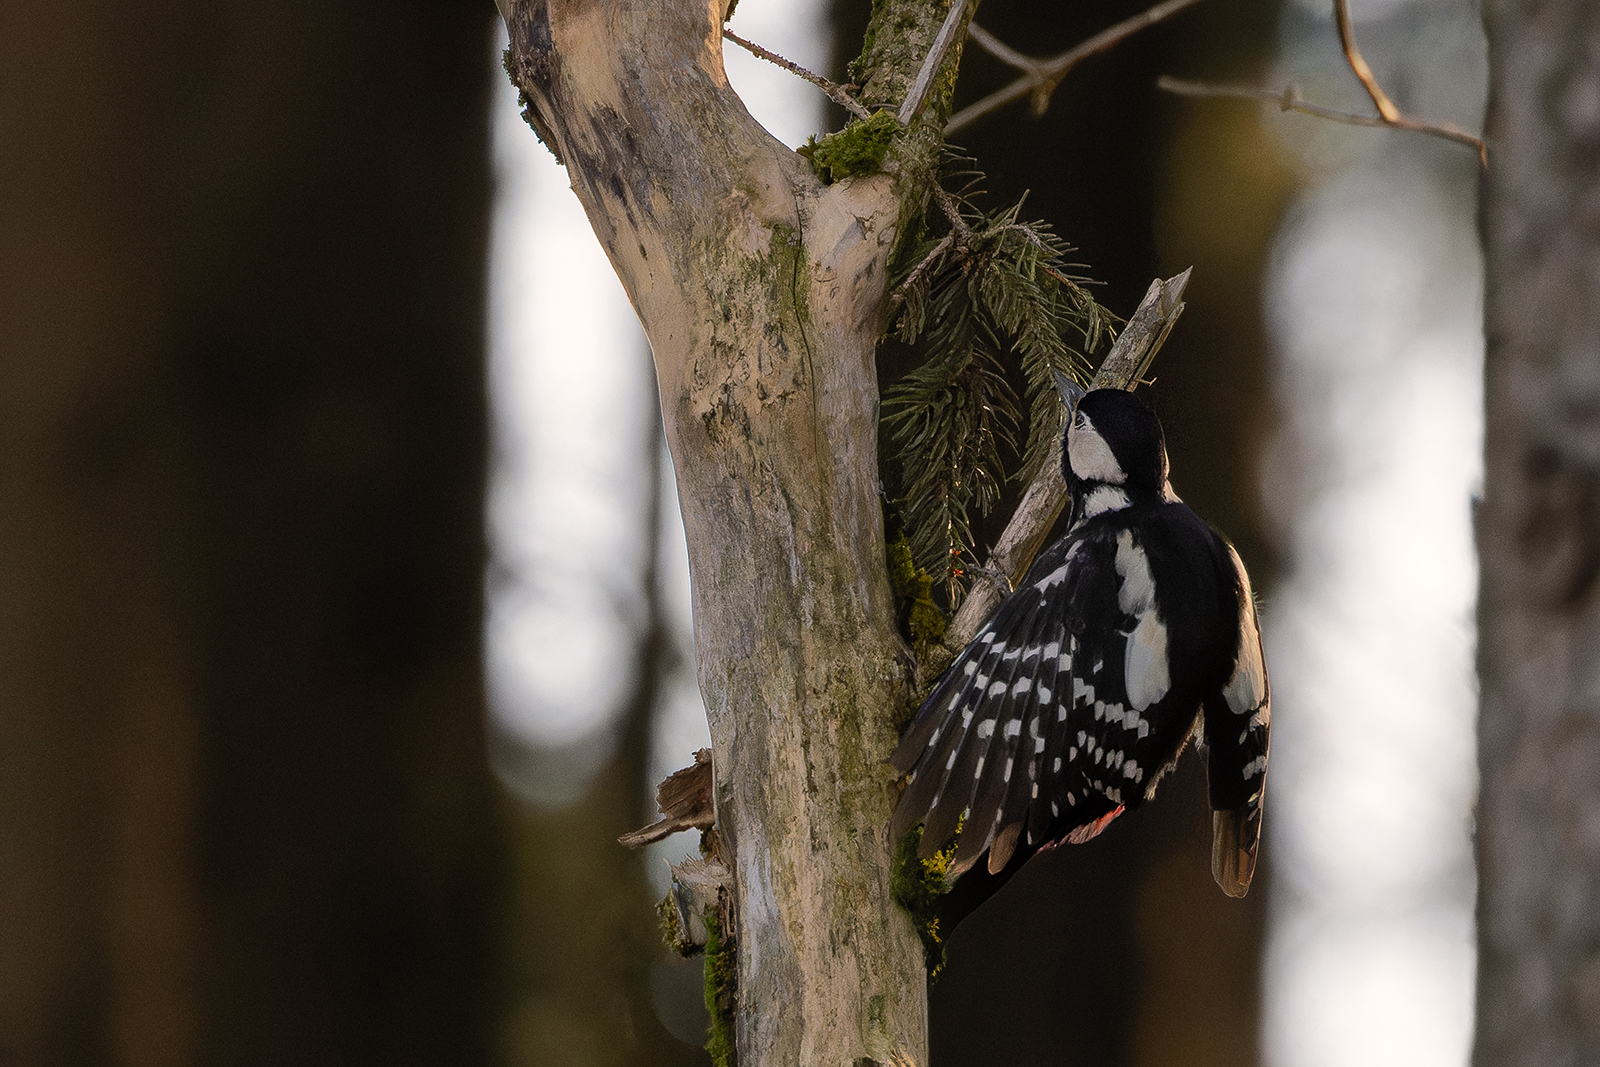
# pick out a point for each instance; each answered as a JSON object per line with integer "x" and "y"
{"x": 1113, "y": 439}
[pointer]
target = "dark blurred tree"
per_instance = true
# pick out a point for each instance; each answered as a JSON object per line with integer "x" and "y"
{"x": 1538, "y": 829}
{"x": 244, "y": 812}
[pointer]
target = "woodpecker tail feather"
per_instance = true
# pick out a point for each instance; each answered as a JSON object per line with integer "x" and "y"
{"x": 1235, "y": 839}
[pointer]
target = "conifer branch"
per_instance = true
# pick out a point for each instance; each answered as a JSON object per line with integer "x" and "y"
{"x": 986, "y": 290}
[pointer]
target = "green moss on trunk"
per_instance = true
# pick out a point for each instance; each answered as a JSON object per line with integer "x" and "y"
{"x": 721, "y": 967}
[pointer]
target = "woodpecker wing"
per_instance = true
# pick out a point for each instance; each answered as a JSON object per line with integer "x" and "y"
{"x": 1037, "y": 726}
{"x": 1238, "y": 724}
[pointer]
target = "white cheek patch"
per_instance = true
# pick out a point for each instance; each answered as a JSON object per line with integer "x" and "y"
{"x": 1090, "y": 456}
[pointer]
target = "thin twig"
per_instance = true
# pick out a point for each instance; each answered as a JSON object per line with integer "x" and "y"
{"x": 959, "y": 232}
{"x": 1041, "y": 76}
{"x": 999, "y": 49}
{"x": 1288, "y": 100}
{"x": 835, "y": 91}
{"x": 1358, "y": 65}
{"x": 927, "y": 261}
{"x": 931, "y": 63}
{"x": 947, "y": 204}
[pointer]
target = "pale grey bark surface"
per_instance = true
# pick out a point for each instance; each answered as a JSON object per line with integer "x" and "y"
{"x": 1539, "y": 539}
{"x": 761, "y": 293}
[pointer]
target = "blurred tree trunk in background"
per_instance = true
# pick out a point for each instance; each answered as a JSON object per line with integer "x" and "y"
{"x": 584, "y": 934}
{"x": 1123, "y": 952}
{"x": 244, "y": 813}
{"x": 1539, "y": 543}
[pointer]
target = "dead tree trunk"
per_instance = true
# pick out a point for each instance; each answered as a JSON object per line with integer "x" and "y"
{"x": 1539, "y": 542}
{"x": 761, "y": 292}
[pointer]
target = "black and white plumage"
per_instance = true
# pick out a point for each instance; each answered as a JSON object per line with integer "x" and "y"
{"x": 1132, "y": 633}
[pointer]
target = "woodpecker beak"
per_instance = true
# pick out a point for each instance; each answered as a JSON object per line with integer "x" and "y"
{"x": 1071, "y": 392}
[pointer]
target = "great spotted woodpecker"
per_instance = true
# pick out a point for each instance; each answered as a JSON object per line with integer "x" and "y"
{"x": 1133, "y": 633}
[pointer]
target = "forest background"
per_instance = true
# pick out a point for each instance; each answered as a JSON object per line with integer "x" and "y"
{"x": 246, "y": 815}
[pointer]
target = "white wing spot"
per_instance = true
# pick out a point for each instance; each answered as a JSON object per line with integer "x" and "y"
{"x": 997, "y": 688}
{"x": 1013, "y": 728}
{"x": 1022, "y": 687}
{"x": 1054, "y": 578}
{"x": 986, "y": 729}
{"x": 1145, "y": 661}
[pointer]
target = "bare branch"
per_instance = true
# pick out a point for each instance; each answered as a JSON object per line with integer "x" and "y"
{"x": 1041, "y": 76}
{"x": 1290, "y": 100}
{"x": 1000, "y": 50}
{"x": 918, "y": 95}
{"x": 835, "y": 91}
{"x": 1123, "y": 368}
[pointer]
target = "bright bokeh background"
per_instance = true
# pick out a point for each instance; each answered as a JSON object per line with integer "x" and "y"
{"x": 1374, "y": 306}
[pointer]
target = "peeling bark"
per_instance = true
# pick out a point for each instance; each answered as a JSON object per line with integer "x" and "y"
{"x": 761, "y": 292}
